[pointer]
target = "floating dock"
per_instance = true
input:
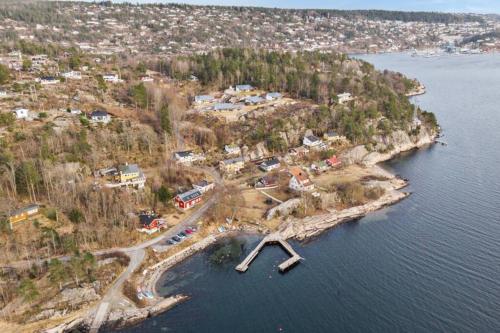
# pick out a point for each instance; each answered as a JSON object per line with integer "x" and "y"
{"x": 271, "y": 239}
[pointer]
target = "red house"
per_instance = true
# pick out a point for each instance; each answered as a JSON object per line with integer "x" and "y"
{"x": 333, "y": 161}
{"x": 187, "y": 199}
{"x": 150, "y": 221}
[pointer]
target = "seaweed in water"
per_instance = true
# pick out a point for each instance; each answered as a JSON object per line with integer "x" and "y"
{"x": 227, "y": 252}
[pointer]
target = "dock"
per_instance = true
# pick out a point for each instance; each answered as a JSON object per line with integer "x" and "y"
{"x": 271, "y": 239}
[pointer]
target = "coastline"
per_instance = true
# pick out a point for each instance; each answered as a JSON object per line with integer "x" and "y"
{"x": 309, "y": 227}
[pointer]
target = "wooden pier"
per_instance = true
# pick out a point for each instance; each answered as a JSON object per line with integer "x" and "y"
{"x": 271, "y": 239}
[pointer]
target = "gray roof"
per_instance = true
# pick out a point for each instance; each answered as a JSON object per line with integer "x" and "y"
{"x": 273, "y": 94}
{"x": 203, "y": 98}
{"x": 244, "y": 87}
{"x": 312, "y": 138}
{"x": 202, "y": 183}
{"x": 129, "y": 168}
{"x": 227, "y": 106}
{"x": 24, "y": 209}
{"x": 254, "y": 99}
{"x": 189, "y": 195}
{"x": 233, "y": 160}
{"x": 99, "y": 113}
{"x": 185, "y": 153}
{"x": 271, "y": 162}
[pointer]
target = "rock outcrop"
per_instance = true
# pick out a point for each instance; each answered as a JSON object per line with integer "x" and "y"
{"x": 283, "y": 209}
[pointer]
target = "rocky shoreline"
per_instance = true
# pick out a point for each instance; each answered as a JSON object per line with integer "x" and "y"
{"x": 292, "y": 228}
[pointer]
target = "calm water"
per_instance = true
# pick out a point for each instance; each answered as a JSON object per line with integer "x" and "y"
{"x": 428, "y": 264}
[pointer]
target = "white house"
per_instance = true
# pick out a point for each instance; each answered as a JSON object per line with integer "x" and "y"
{"x": 311, "y": 141}
{"x": 232, "y": 150}
{"x": 299, "y": 180}
{"x": 48, "y": 80}
{"x": 3, "y": 93}
{"x": 187, "y": 157}
{"x": 203, "y": 186}
{"x": 75, "y": 111}
{"x": 344, "y": 97}
{"x": 270, "y": 165}
{"x": 21, "y": 113}
{"x": 99, "y": 116}
{"x": 113, "y": 78}
{"x": 72, "y": 75}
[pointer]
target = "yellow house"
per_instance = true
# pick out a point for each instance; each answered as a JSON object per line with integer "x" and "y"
{"x": 24, "y": 213}
{"x": 128, "y": 172}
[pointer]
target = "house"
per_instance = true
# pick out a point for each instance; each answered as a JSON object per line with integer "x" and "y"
{"x": 23, "y": 214}
{"x": 232, "y": 166}
{"x": 131, "y": 174}
{"x": 272, "y": 96}
{"x": 75, "y": 111}
{"x": 266, "y": 182}
{"x": 270, "y": 165}
{"x": 333, "y": 136}
{"x": 227, "y": 107}
{"x": 200, "y": 99}
{"x": 298, "y": 151}
{"x": 243, "y": 87}
{"x": 21, "y": 113}
{"x": 344, "y": 97}
{"x": 187, "y": 157}
{"x": 99, "y": 116}
{"x": 299, "y": 180}
{"x": 187, "y": 199}
{"x": 333, "y": 161}
{"x": 150, "y": 221}
{"x": 3, "y": 93}
{"x": 204, "y": 186}
{"x": 48, "y": 80}
{"x": 113, "y": 78}
{"x": 232, "y": 150}
{"x": 254, "y": 100}
{"x": 320, "y": 166}
{"x": 72, "y": 75}
{"x": 311, "y": 141}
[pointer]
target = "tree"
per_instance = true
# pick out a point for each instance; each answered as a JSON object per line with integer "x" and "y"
{"x": 164, "y": 195}
{"x": 28, "y": 290}
{"x": 139, "y": 95}
{"x": 27, "y": 64}
{"x": 74, "y": 62}
{"x": 4, "y": 74}
{"x": 165, "y": 123}
{"x": 57, "y": 272}
{"x": 89, "y": 264}
{"x": 75, "y": 216}
{"x": 77, "y": 270}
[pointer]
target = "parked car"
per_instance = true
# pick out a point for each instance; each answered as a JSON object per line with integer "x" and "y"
{"x": 188, "y": 231}
{"x": 176, "y": 239}
{"x": 171, "y": 242}
{"x": 181, "y": 236}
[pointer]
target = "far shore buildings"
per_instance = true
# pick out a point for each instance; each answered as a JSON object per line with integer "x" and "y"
{"x": 130, "y": 174}
{"x": 203, "y": 186}
{"x": 299, "y": 181}
{"x": 150, "y": 222}
{"x": 332, "y": 136}
{"x": 226, "y": 107}
{"x": 112, "y": 78}
{"x": 48, "y": 80}
{"x": 72, "y": 75}
{"x": 270, "y": 164}
{"x": 272, "y": 96}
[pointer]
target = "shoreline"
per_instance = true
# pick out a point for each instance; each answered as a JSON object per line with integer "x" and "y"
{"x": 305, "y": 228}
{"x": 300, "y": 229}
